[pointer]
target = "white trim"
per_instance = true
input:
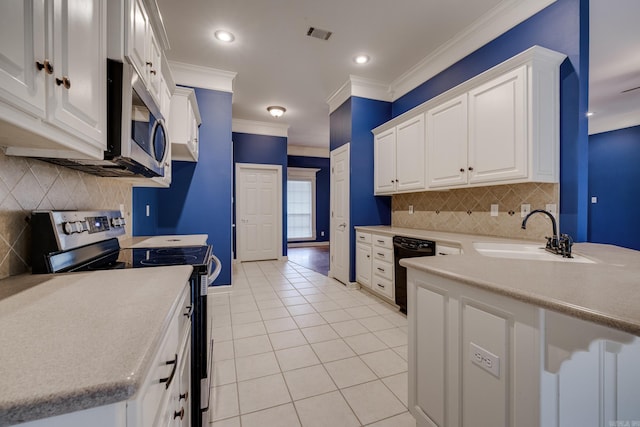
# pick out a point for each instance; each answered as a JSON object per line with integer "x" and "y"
{"x": 309, "y": 173}
{"x": 259, "y": 128}
{"x": 279, "y": 213}
{"x": 307, "y": 244}
{"x": 300, "y": 150}
{"x": 600, "y": 124}
{"x": 362, "y": 87}
{"x": 202, "y": 77}
{"x": 283, "y": 258}
{"x": 488, "y": 27}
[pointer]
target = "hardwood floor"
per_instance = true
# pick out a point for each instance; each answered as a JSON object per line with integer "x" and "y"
{"x": 315, "y": 258}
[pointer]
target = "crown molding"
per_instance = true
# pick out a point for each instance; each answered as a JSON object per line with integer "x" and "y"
{"x": 202, "y": 77}
{"x": 485, "y": 29}
{"x": 304, "y": 151}
{"x": 259, "y": 128}
{"x": 362, "y": 87}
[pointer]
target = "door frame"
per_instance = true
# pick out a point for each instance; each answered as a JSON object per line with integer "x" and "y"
{"x": 333, "y": 154}
{"x": 240, "y": 167}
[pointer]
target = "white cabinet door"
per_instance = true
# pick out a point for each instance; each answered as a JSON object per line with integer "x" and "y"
{"x": 79, "y": 50}
{"x": 184, "y": 125}
{"x": 22, "y": 45}
{"x": 138, "y": 36}
{"x": 385, "y": 162}
{"x": 154, "y": 67}
{"x": 363, "y": 264}
{"x": 447, "y": 141}
{"x": 498, "y": 129}
{"x": 410, "y": 155}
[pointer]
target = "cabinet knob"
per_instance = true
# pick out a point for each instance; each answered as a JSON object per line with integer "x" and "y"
{"x": 392, "y": 181}
{"x": 153, "y": 72}
{"x": 46, "y": 65}
{"x": 461, "y": 169}
{"x": 64, "y": 81}
{"x": 184, "y": 396}
{"x": 149, "y": 64}
{"x": 470, "y": 168}
{"x": 179, "y": 413}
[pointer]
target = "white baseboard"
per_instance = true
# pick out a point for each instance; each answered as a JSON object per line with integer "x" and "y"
{"x": 283, "y": 258}
{"x": 307, "y": 244}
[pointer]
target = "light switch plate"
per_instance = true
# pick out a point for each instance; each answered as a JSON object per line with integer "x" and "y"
{"x": 494, "y": 210}
{"x": 410, "y": 209}
{"x": 525, "y": 209}
{"x": 594, "y": 199}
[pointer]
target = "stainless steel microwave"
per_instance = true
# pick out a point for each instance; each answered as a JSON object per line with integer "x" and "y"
{"x": 137, "y": 141}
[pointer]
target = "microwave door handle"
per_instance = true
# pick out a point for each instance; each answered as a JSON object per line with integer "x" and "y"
{"x": 213, "y": 275}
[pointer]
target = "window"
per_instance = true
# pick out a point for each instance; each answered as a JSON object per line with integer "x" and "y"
{"x": 301, "y": 204}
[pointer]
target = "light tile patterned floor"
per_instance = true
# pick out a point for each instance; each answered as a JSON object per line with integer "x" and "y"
{"x": 295, "y": 348}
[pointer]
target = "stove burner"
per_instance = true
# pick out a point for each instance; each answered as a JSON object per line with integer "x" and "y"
{"x": 169, "y": 260}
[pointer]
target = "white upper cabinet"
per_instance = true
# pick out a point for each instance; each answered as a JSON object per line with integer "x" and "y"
{"x": 184, "y": 123}
{"x": 143, "y": 48}
{"x": 500, "y": 127}
{"x": 52, "y": 83}
{"x": 447, "y": 143}
{"x": 400, "y": 158}
{"x": 498, "y": 146}
{"x": 385, "y": 162}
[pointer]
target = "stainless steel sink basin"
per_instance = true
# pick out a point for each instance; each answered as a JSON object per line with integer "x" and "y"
{"x": 524, "y": 251}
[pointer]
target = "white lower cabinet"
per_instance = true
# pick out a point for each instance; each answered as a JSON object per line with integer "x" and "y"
{"x": 477, "y": 358}
{"x": 374, "y": 263}
{"x": 363, "y": 264}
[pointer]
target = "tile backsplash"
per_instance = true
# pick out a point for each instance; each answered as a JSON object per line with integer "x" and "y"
{"x": 467, "y": 210}
{"x": 28, "y": 184}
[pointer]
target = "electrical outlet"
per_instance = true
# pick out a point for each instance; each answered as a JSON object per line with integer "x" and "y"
{"x": 525, "y": 209}
{"x": 410, "y": 209}
{"x": 147, "y": 210}
{"x": 551, "y": 208}
{"x": 494, "y": 210}
{"x": 322, "y": 234}
{"x": 484, "y": 359}
{"x": 594, "y": 199}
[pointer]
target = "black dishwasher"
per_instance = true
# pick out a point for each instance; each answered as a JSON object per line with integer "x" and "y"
{"x": 407, "y": 247}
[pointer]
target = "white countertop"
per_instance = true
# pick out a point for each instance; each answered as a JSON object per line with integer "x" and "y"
{"x": 165, "y": 241}
{"x": 606, "y": 292}
{"x": 79, "y": 340}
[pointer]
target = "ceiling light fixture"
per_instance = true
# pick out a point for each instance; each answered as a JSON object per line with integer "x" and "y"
{"x": 361, "y": 59}
{"x": 589, "y": 113}
{"x": 276, "y": 111}
{"x": 224, "y": 36}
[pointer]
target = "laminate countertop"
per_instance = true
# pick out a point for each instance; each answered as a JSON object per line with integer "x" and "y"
{"x": 80, "y": 340}
{"x": 606, "y": 292}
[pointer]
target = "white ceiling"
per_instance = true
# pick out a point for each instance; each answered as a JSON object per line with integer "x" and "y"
{"x": 614, "y": 64}
{"x": 278, "y": 64}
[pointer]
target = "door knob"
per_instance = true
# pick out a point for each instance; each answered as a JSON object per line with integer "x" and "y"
{"x": 343, "y": 225}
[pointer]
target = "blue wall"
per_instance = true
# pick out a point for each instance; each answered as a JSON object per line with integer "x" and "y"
{"x": 563, "y": 27}
{"x": 614, "y": 178}
{"x": 323, "y": 178}
{"x": 199, "y": 199}
{"x": 353, "y": 122}
{"x": 265, "y": 150}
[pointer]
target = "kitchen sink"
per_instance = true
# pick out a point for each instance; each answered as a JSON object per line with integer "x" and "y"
{"x": 526, "y": 251}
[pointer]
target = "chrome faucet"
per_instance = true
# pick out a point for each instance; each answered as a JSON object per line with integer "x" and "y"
{"x": 556, "y": 244}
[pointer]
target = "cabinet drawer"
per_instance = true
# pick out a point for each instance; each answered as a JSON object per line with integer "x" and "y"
{"x": 447, "y": 250}
{"x": 383, "y": 269}
{"x": 382, "y": 286}
{"x": 383, "y": 254}
{"x": 363, "y": 237}
{"x": 382, "y": 241}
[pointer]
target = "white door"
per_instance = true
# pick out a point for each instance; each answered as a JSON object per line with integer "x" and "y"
{"x": 258, "y": 211}
{"x": 340, "y": 223}
{"x": 22, "y": 55}
{"x": 79, "y": 76}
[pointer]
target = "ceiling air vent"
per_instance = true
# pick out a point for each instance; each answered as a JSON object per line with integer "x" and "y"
{"x": 319, "y": 33}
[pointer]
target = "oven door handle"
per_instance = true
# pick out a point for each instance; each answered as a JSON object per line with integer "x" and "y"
{"x": 216, "y": 272}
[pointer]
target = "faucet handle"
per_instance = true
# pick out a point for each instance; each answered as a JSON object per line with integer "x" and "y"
{"x": 565, "y": 243}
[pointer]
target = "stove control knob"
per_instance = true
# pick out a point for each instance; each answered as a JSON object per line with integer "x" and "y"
{"x": 68, "y": 227}
{"x": 122, "y": 222}
{"x": 79, "y": 225}
{"x": 116, "y": 222}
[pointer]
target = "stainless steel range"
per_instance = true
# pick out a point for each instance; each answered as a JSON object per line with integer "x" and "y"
{"x": 72, "y": 241}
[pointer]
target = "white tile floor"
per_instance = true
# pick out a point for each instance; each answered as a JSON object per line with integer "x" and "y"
{"x": 295, "y": 348}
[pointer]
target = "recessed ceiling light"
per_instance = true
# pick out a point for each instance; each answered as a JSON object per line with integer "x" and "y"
{"x": 224, "y": 36}
{"x": 361, "y": 59}
{"x": 276, "y": 111}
